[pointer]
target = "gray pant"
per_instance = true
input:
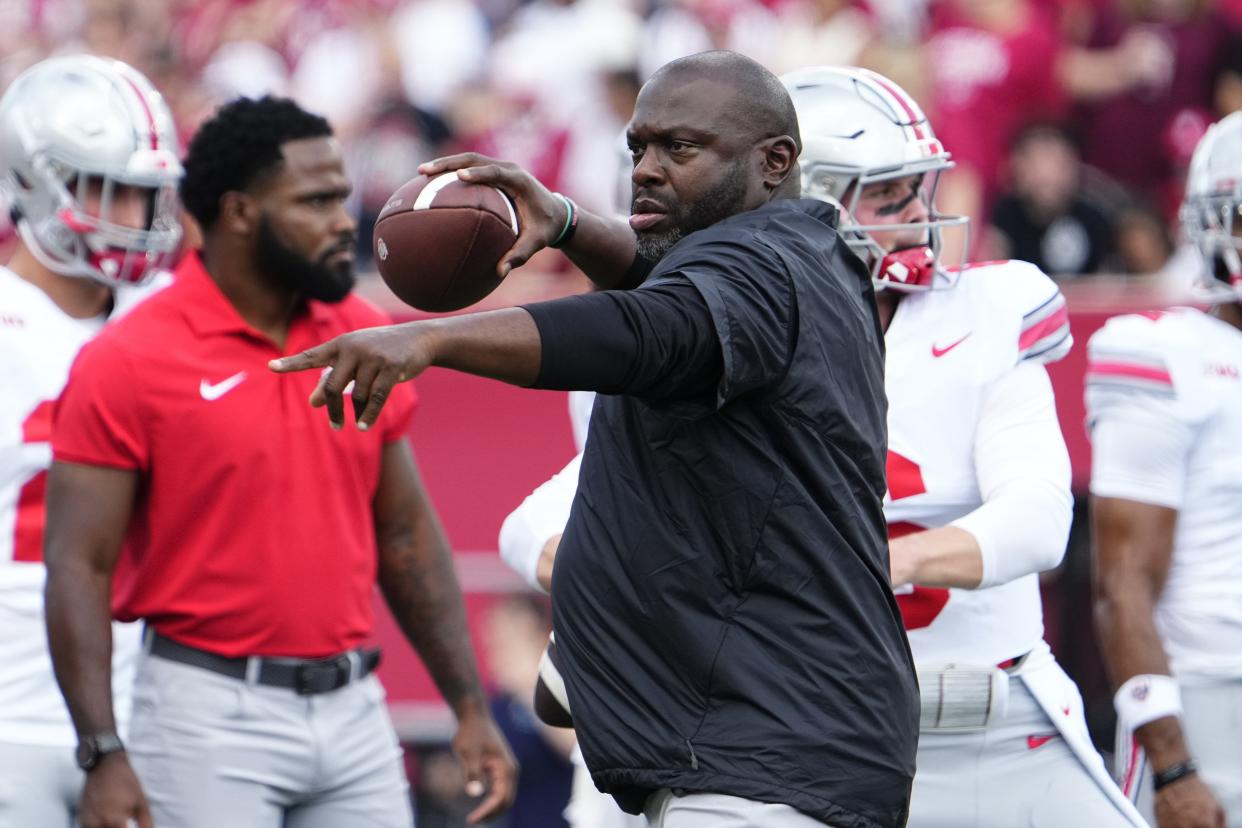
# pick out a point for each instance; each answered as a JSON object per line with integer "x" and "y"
{"x": 589, "y": 808}
{"x": 1017, "y": 773}
{"x": 1212, "y": 724}
{"x": 39, "y": 786}
{"x": 709, "y": 810}
{"x": 212, "y": 751}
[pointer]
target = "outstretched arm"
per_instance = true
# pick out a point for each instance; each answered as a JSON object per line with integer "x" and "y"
{"x": 418, "y": 580}
{"x": 503, "y": 345}
{"x": 657, "y": 343}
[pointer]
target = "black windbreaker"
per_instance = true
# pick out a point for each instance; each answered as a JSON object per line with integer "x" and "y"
{"x": 721, "y": 593}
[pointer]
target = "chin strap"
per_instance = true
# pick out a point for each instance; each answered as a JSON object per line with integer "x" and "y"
{"x": 909, "y": 267}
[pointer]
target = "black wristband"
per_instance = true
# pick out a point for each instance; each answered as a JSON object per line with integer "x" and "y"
{"x": 1173, "y": 773}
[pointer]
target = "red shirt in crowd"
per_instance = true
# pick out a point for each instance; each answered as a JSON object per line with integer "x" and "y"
{"x": 252, "y": 530}
{"x": 986, "y": 86}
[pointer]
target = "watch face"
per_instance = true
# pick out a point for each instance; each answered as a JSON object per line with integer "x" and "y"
{"x": 87, "y": 754}
{"x": 93, "y": 748}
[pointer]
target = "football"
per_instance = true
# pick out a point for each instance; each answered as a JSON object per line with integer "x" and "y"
{"x": 438, "y": 240}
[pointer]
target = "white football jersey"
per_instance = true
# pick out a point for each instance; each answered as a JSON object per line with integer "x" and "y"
{"x": 38, "y": 343}
{"x": 946, "y": 350}
{"x": 1164, "y": 404}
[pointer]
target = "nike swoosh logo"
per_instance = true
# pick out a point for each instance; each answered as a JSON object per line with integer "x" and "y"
{"x": 1033, "y": 742}
{"x": 214, "y": 391}
{"x": 939, "y": 352}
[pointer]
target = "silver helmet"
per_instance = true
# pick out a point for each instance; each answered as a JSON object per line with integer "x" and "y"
{"x": 1211, "y": 213}
{"x": 858, "y": 127}
{"x": 73, "y": 132}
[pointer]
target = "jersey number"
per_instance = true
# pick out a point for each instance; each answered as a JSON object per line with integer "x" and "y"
{"x": 31, "y": 509}
{"x": 920, "y": 606}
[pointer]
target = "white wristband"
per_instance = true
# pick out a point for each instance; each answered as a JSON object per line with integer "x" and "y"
{"x": 1146, "y": 698}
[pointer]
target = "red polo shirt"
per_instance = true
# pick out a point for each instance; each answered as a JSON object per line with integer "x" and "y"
{"x": 252, "y": 533}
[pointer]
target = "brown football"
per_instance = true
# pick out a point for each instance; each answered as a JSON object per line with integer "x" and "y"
{"x": 438, "y": 240}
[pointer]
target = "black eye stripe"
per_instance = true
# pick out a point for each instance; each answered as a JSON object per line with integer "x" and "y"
{"x": 897, "y": 207}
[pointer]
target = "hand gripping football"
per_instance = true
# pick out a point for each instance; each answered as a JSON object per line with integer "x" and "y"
{"x": 438, "y": 240}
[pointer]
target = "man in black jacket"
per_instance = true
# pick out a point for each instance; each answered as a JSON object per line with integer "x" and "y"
{"x": 728, "y": 639}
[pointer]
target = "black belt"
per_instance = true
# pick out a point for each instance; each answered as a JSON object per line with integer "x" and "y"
{"x": 304, "y": 675}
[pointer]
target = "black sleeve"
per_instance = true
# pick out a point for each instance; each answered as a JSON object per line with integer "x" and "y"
{"x": 657, "y": 343}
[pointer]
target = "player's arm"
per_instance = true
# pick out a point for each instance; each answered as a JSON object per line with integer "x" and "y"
{"x": 88, "y": 511}
{"x": 657, "y": 342}
{"x": 419, "y": 582}
{"x": 531, "y": 534}
{"x": 1023, "y": 470}
{"x": 1133, "y": 552}
{"x": 604, "y": 248}
{"x": 1143, "y": 417}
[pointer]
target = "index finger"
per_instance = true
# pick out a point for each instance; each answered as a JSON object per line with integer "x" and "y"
{"x": 321, "y": 356}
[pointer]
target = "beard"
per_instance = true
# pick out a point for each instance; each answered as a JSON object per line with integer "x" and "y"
{"x": 291, "y": 270}
{"x": 725, "y": 199}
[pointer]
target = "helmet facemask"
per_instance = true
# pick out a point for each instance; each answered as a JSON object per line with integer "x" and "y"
{"x": 912, "y": 264}
{"x": 1213, "y": 223}
{"x": 69, "y": 238}
{"x": 1211, "y": 213}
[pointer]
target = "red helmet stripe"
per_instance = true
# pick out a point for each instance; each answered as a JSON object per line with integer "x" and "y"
{"x": 142, "y": 99}
{"x": 914, "y": 116}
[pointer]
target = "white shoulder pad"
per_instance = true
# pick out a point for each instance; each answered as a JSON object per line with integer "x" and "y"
{"x": 1026, "y": 307}
{"x": 1144, "y": 360}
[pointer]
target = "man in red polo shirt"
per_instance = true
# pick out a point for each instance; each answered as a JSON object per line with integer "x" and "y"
{"x": 195, "y": 487}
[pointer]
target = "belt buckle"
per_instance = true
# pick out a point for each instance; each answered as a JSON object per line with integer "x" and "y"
{"x": 321, "y": 676}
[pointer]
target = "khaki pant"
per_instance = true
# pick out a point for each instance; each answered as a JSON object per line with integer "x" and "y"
{"x": 1016, "y": 773}
{"x": 708, "y": 810}
{"x": 39, "y": 786}
{"x": 212, "y": 751}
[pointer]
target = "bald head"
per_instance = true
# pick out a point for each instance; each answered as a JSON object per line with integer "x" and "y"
{"x": 760, "y": 105}
{"x": 713, "y": 135}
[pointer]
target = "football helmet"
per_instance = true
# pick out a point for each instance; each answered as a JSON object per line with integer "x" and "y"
{"x": 73, "y": 130}
{"x": 1211, "y": 213}
{"x": 859, "y": 128}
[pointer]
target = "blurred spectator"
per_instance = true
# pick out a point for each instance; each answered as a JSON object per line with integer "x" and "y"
{"x": 821, "y": 32}
{"x": 517, "y": 633}
{"x": 442, "y": 46}
{"x": 245, "y": 68}
{"x": 992, "y": 69}
{"x": 1144, "y": 243}
{"x": 553, "y": 51}
{"x": 344, "y": 69}
{"x": 1146, "y": 247}
{"x": 684, "y": 27}
{"x": 999, "y": 65}
{"x": 1045, "y": 217}
{"x": 386, "y": 154}
{"x": 1138, "y": 136}
{"x": 589, "y": 169}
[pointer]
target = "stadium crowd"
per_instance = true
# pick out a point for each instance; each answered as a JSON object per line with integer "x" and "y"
{"x": 1071, "y": 121}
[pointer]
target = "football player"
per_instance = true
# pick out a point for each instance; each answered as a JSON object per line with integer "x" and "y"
{"x": 1164, "y": 402}
{"x": 978, "y": 497}
{"x": 89, "y": 169}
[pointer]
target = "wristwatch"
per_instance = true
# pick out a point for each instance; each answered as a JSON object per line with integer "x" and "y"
{"x": 92, "y": 749}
